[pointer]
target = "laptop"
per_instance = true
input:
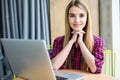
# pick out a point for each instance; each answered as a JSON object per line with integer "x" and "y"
{"x": 29, "y": 59}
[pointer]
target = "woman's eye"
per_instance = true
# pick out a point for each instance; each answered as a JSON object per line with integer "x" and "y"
{"x": 82, "y": 15}
{"x": 72, "y": 15}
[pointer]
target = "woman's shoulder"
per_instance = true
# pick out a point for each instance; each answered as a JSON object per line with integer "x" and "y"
{"x": 98, "y": 39}
{"x": 59, "y": 38}
{"x": 95, "y": 37}
{"x": 98, "y": 43}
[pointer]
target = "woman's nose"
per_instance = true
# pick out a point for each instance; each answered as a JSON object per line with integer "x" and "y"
{"x": 77, "y": 19}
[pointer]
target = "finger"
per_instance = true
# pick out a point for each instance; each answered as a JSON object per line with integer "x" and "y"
{"x": 82, "y": 31}
{"x": 78, "y": 32}
{"x": 74, "y": 32}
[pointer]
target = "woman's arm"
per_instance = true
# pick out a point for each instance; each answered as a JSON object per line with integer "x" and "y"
{"x": 98, "y": 52}
{"x": 88, "y": 57}
{"x": 60, "y": 58}
{"x": 95, "y": 59}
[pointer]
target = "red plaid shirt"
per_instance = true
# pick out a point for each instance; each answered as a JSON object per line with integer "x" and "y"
{"x": 76, "y": 53}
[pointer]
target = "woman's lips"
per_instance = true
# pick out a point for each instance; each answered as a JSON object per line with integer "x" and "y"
{"x": 76, "y": 25}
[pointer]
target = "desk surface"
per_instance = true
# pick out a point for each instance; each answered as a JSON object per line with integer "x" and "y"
{"x": 89, "y": 76}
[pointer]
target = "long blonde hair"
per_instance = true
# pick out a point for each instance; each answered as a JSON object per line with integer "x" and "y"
{"x": 88, "y": 37}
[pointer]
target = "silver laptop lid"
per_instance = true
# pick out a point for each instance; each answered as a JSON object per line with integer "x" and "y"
{"x": 29, "y": 58}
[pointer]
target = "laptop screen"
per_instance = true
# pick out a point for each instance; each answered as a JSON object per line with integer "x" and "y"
{"x": 29, "y": 58}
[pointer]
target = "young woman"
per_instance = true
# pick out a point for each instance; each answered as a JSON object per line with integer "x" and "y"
{"x": 78, "y": 49}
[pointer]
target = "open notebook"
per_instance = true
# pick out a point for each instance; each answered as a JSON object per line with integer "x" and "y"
{"x": 29, "y": 59}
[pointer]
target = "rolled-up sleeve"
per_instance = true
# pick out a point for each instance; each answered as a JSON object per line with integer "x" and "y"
{"x": 98, "y": 52}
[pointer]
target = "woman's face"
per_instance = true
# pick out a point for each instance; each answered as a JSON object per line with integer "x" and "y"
{"x": 77, "y": 18}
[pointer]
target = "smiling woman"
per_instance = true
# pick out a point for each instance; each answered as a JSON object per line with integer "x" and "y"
{"x": 57, "y": 12}
{"x": 78, "y": 49}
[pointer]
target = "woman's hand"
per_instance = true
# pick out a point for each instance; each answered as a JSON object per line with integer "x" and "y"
{"x": 78, "y": 36}
{"x": 74, "y": 37}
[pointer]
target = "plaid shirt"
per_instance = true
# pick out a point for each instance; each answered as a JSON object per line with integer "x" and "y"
{"x": 76, "y": 53}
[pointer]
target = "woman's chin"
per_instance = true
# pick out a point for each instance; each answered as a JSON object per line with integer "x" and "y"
{"x": 76, "y": 29}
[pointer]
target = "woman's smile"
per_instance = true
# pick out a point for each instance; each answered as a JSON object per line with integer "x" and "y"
{"x": 76, "y": 25}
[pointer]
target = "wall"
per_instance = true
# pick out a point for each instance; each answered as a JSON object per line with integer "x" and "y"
{"x": 57, "y": 11}
{"x": 106, "y": 22}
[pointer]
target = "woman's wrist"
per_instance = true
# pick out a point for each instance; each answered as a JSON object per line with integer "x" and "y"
{"x": 80, "y": 42}
{"x": 71, "y": 42}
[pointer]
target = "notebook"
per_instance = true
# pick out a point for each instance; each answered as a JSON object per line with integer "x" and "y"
{"x": 29, "y": 59}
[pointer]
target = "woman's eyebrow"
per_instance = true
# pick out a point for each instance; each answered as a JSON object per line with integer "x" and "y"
{"x": 75, "y": 13}
{"x": 71, "y": 13}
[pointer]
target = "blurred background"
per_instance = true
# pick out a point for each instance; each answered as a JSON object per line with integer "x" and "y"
{"x": 44, "y": 19}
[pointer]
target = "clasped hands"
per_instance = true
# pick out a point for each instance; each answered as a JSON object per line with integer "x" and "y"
{"x": 77, "y": 36}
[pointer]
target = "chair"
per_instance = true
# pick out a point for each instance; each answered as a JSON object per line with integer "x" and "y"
{"x": 8, "y": 72}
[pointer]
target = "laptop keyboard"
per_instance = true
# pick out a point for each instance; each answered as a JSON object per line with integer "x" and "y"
{"x": 61, "y": 78}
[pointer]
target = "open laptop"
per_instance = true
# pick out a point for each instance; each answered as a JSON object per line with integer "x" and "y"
{"x": 29, "y": 59}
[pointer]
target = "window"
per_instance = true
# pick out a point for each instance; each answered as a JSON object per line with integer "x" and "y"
{"x": 116, "y": 34}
